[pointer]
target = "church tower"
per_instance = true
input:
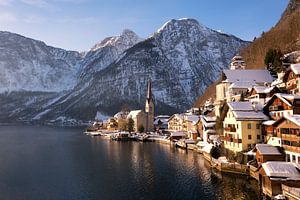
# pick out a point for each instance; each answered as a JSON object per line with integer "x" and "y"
{"x": 149, "y": 108}
{"x": 237, "y": 63}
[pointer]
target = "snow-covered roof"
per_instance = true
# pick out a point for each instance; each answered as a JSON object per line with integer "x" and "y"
{"x": 249, "y": 115}
{"x": 163, "y": 121}
{"x": 268, "y": 122}
{"x": 178, "y": 116}
{"x": 287, "y": 98}
{"x": 242, "y": 85}
{"x": 257, "y": 76}
{"x": 162, "y": 117}
{"x": 263, "y": 89}
{"x": 120, "y": 115}
{"x": 134, "y": 113}
{"x": 240, "y": 106}
{"x": 192, "y": 118}
{"x": 295, "y": 68}
{"x": 267, "y": 149}
{"x": 178, "y": 134}
{"x": 208, "y": 118}
{"x": 293, "y": 118}
{"x": 281, "y": 169}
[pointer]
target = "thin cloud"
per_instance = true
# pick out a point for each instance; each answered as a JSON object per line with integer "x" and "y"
{"x": 5, "y": 2}
{"x": 7, "y": 17}
{"x": 37, "y": 3}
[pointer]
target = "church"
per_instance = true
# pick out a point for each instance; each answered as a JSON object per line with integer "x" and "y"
{"x": 145, "y": 118}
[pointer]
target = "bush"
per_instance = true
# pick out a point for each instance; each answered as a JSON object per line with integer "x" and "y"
{"x": 141, "y": 129}
{"x": 215, "y": 152}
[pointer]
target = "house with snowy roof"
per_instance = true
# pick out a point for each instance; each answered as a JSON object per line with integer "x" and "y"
{"x": 242, "y": 126}
{"x": 273, "y": 174}
{"x": 282, "y": 105}
{"x": 236, "y": 81}
{"x": 184, "y": 122}
{"x": 208, "y": 127}
{"x": 292, "y": 79}
{"x": 262, "y": 94}
{"x": 161, "y": 122}
{"x": 287, "y": 131}
{"x": 267, "y": 152}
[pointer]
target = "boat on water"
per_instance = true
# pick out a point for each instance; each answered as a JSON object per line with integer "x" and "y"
{"x": 183, "y": 143}
{"x": 119, "y": 136}
{"x": 93, "y": 133}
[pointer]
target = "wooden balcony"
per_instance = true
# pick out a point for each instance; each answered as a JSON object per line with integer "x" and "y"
{"x": 291, "y": 148}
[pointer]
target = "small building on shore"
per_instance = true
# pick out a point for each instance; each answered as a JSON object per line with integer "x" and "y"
{"x": 273, "y": 174}
{"x": 266, "y": 152}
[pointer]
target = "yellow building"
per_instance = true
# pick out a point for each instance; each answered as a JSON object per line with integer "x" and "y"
{"x": 242, "y": 126}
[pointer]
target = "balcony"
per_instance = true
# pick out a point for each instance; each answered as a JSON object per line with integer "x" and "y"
{"x": 291, "y": 148}
{"x": 230, "y": 129}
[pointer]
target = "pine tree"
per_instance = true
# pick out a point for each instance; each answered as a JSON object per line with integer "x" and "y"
{"x": 273, "y": 61}
{"x": 130, "y": 124}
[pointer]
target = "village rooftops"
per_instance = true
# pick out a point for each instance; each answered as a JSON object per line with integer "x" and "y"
{"x": 250, "y": 115}
{"x": 267, "y": 149}
{"x": 257, "y": 76}
{"x": 242, "y": 85}
{"x": 192, "y": 118}
{"x": 278, "y": 169}
{"x": 287, "y": 98}
{"x": 240, "y": 106}
{"x": 293, "y": 118}
{"x": 295, "y": 68}
{"x": 268, "y": 122}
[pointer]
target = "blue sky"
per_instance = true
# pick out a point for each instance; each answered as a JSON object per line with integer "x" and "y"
{"x": 79, "y": 24}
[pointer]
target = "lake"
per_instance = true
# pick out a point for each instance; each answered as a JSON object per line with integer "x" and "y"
{"x": 39, "y": 162}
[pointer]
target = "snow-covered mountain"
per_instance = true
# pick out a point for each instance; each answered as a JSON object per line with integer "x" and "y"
{"x": 182, "y": 58}
{"x": 105, "y": 52}
{"x": 27, "y": 64}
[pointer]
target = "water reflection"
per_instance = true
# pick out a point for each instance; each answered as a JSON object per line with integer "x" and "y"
{"x": 60, "y": 163}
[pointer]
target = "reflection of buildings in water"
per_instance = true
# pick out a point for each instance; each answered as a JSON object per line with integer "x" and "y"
{"x": 231, "y": 186}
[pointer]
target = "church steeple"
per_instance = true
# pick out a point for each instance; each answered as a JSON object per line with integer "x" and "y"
{"x": 149, "y": 108}
{"x": 149, "y": 91}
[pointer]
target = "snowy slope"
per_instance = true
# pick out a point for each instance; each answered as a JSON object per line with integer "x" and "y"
{"x": 27, "y": 64}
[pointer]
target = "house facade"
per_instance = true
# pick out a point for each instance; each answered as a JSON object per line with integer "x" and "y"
{"x": 287, "y": 129}
{"x": 292, "y": 79}
{"x": 242, "y": 126}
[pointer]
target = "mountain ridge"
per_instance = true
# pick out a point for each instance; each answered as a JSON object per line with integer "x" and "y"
{"x": 182, "y": 58}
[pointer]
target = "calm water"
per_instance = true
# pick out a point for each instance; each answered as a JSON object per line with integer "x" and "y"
{"x": 62, "y": 163}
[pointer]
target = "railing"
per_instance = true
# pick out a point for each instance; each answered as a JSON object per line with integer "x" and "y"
{"x": 291, "y": 148}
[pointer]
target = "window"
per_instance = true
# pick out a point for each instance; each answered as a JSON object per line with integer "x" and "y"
{"x": 257, "y": 126}
{"x": 249, "y": 126}
{"x": 293, "y": 158}
{"x": 249, "y": 137}
{"x": 237, "y": 126}
{"x": 258, "y": 137}
{"x": 298, "y": 159}
{"x": 288, "y": 158}
{"x": 249, "y": 146}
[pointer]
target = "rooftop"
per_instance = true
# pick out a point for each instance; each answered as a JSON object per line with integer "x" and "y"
{"x": 257, "y": 76}
{"x": 282, "y": 169}
{"x": 250, "y": 115}
{"x": 267, "y": 149}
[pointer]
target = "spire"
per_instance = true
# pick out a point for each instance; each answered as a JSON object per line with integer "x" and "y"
{"x": 149, "y": 93}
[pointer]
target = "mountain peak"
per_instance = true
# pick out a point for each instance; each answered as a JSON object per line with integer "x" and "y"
{"x": 127, "y": 37}
{"x": 182, "y": 24}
